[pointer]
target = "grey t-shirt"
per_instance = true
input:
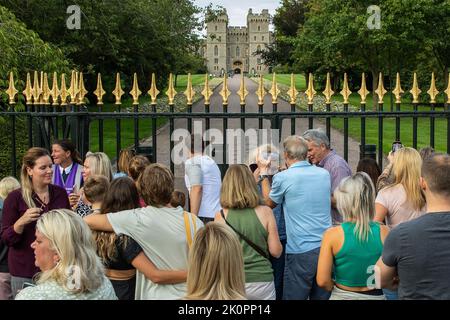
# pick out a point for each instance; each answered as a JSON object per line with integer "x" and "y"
{"x": 420, "y": 250}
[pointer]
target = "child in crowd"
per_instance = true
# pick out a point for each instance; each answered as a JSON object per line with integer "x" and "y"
{"x": 178, "y": 199}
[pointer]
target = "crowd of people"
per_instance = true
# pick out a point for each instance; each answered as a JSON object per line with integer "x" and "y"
{"x": 292, "y": 224}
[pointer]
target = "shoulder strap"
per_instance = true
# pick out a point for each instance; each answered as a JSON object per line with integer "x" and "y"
{"x": 187, "y": 226}
{"x": 249, "y": 242}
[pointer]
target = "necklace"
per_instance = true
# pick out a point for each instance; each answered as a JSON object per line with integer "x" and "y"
{"x": 43, "y": 203}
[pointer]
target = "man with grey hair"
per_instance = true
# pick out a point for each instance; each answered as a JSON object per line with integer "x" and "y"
{"x": 320, "y": 154}
{"x": 304, "y": 192}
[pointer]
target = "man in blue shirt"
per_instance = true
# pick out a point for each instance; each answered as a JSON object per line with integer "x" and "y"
{"x": 304, "y": 191}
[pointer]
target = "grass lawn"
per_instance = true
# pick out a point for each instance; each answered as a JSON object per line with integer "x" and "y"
{"x": 285, "y": 79}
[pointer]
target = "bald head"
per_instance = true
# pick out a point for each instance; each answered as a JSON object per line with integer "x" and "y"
{"x": 436, "y": 172}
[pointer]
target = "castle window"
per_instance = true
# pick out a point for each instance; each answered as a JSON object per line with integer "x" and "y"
{"x": 237, "y": 39}
{"x": 258, "y": 61}
{"x": 216, "y": 50}
{"x": 220, "y": 38}
{"x": 262, "y": 38}
{"x": 238, "y": 52}
{"x": 254, "y": 38}
{"x": 258, "y": 48}
{"x": 215, "y": 28}
{"x": 216, "y": 61}
{"x": 259, "y": 28}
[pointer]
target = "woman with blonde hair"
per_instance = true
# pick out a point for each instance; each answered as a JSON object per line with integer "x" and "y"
{"x": 123, "y": 163}
{"x": 23, "y": 207}
{"x": 256, "y": 227}
{"x": 95, "y": 163}
{"x": 355, "y": 245}
{"x": 216, "y": 265}
{"x": 403, "y": 200}
{"x": 70, "y": 268}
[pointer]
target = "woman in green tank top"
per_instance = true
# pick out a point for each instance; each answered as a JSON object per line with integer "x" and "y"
{"x": 354, "y": 247}
{"x": 240, "y": 201}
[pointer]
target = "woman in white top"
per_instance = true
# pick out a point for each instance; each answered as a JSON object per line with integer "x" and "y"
{"x": 403, "y": 200}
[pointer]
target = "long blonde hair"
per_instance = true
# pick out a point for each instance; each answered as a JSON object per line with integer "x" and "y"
{"x": 72, "y": 240}
{"x": 100, "y": 164}
{"x": 355, "y": 199}
{"x": 29, "y": 161}
{"x": 407, "y": 170}
{"x": 216, "y": 265}
{"x": 239, "y": 189}
{"x": 7, "y": 185}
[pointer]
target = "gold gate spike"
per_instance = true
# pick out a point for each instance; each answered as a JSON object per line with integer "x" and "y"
{"x": 171, "y": 93}
{"x": 261, "y": 92}
{"x": 310, "y": 92}
{"x": 118, "y": 92}
{"x": 54, "y": 92}
{"x": 242, "y": 93}
{"x": 12, "y": 91}
{"x": 398, "y": 90}
{"x": 99, "y": 92}
{"x": 189, "y": 93}
{"x": 41, "y": 88}
{"x": 207, "y": 90}
{"x": 274, "y": 91}
{"x": 328, "y": 92}
{"x": 28, "y": 92}
{"x": 345, "y": 92}
{"x": 63, "y": 93}
{"x": 363, "y": 92}
{"x": 73, "y": 89}
{"x": 433, "y": 92}
{"x": 415, "y": 91}
{"x": 380, "y": 90}
{"x": 153, "y": 92}
{"x": 81, "y": 90}
{"x": 135, "y": 92}
{"x": 225, "y": 93}
{"x": 447, "y": 91}
{"x": 292, "y": 92}
{"x": 36, "y": 89}
{"x": 45, "y": 90}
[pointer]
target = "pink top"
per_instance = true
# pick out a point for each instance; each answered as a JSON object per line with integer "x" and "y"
{"x": 399, "y": 209}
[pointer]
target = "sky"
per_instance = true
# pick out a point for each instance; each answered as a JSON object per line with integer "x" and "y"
{"x": 237, "y": 9}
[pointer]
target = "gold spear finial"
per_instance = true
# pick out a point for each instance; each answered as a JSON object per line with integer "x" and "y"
{"x": 310, "y": 92}
{"x": 153, "y": 92}
{"x": 447, "y": 91}
{"x": 28, "y": 92}
{"x": 207, "y": 90}
{"x": 345, "y": 92}
{"x": 433, "y": 92}
{"x": 81, "y": 90}
{"x": 274, "y": 91}
{"x": 328, "y": 92}
{"x": 292, "y": 92}
{"x": 41, "y": 88}
{"x": 36, "y": 89}
{"x": 135, "y": 92}
{"x": 118, "y": 92}
{"x": 171, "y": 93}
{"x": 73, "y": 89}
{"x": 99, "y": 92}
{"x": 398, "y": 89}
{"x": 242, "y": 93}
{"x": 54, "y": 92}
{"x": 45, "y": 90}
{"x": 415, "y": 91}
{"x": 363, "y": 92}
{"x": 64, "y": 94}
{"x": 189, "y": 93}
{"x": 225, "y": 93}
{"x": 261, "y": 92}
{"x": 11, "y": 90}
{"x": 380, "y": 90}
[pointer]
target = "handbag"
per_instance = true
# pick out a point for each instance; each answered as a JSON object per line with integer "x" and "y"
{"x": 249, "y": 242}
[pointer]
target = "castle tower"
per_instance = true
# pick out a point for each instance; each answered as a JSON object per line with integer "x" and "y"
{"x": 259, "y": 37}
{"x": 216, "y": 45}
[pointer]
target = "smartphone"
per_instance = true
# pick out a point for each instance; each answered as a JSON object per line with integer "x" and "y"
{"x": 396, "y": 145}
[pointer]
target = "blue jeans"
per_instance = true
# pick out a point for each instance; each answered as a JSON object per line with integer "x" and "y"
{"x": 278, "y": 271}
{"x": 390, "y": 295}
{"x": 300, "y": 277}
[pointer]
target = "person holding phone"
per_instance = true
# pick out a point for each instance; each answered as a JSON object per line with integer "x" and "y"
{"x": 21, "y": 210}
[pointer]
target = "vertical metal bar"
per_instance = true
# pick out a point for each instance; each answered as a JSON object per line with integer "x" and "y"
{"x": 100, "y": 132}
{"x": 380, "y": 136}
{"x": 363, "y": 128}
{"x": 415, "y": 127}
{"x": 346, "y": 133}
{"x": 397, "y": 123}
{"x": 433, "y": 108}
{"x": 225, "y": 128}
{"x": 328, "y": 122}
{"x": 310, "y": 118}
{"x": 260, "y": 120}
{"x": 448, "y": 127}
{"x": 189, "y": 109}
{"x": 207, "y": 120}
{"x": 118, "y": 134}
{"x": 136, "y": 127}
{"x": 293, "y": 120}
{"x": 243, "y": 117}
{"x": 171, "y": 121}
{"x": 13, "y": 144}
{"x": 29, "y": 110}
{"x": 154, "y": 139}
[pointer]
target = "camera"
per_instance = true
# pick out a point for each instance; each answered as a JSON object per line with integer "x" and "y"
{"x": 396, "y": 145}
